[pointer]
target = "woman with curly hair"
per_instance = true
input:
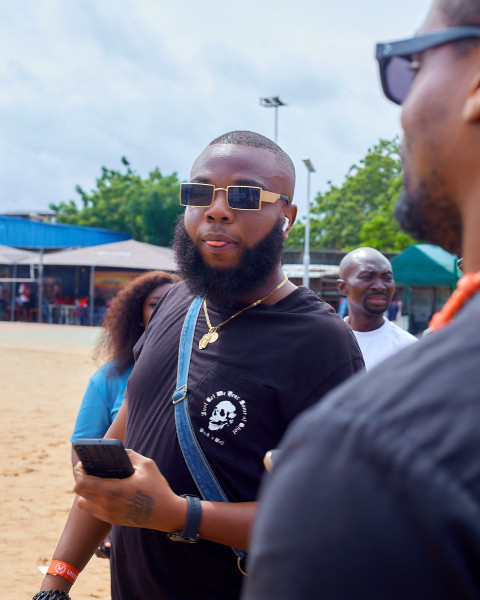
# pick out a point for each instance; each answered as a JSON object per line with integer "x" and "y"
{"x": 124, "y": 323}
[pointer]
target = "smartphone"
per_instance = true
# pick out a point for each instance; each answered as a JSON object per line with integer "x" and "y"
{"x": 103, "y": 457}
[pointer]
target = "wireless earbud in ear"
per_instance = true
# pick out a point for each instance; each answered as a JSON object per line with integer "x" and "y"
{"x": 286, "y": 224}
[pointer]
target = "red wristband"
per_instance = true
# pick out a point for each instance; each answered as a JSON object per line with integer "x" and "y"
{"x": 58, "y": 567}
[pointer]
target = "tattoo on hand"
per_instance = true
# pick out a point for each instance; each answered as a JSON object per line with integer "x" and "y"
{"x": 140, "y": 509}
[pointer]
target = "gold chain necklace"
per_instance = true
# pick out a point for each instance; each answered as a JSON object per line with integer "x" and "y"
{"x": 212, "y": 335}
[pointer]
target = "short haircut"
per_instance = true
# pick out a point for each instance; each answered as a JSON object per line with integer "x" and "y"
{"x": 460, "y": 13}
{"x": 250, "y": 138}
{"x": 351, "y": 258}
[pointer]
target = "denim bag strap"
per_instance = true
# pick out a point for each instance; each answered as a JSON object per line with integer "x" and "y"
{"x": 195, "y": 459}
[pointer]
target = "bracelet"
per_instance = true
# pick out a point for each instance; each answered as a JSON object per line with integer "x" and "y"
{"x": 58, "y": 567}
{"x": 194, "y": 514}
{"x": 51, "y": 595}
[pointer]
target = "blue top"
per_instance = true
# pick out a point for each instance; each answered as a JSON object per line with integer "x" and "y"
{"x": 101, "y": 402}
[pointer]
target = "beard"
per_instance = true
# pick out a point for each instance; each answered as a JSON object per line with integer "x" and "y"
{"x": 430, "y": 216}
{"x": 227, "y": 286}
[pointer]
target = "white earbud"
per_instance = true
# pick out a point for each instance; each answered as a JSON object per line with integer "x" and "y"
{"x": 286, "y": 224}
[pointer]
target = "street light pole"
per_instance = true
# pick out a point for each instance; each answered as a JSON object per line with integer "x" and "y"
{"x": 306, "y": 251}
{"x": 273, "y": 102}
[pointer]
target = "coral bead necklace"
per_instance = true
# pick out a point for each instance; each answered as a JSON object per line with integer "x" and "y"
{"x": 467, "y": 286}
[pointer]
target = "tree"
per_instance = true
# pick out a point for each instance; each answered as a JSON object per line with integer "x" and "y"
{"x": 145, "y": 208}
{"x": 360, "y": 212}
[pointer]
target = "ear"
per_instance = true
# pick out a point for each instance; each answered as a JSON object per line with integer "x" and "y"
{"x": 289, "y": 212}
{"x": 342, "y": 287}
{"x": 471, "y": 110}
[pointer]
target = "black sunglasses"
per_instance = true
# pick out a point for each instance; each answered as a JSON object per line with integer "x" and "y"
{"x": 395, "y": 59}
{"x": 239, "y": 197}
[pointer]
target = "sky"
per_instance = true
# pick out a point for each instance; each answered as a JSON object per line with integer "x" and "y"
{"x": 85, "y": 82}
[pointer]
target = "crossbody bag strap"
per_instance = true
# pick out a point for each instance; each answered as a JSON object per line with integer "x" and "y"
{"x": 195, "y": 459}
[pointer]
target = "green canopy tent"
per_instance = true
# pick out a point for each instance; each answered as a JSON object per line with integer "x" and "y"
{"x": 428, "y": 275}
{"x": 425, "y": 265}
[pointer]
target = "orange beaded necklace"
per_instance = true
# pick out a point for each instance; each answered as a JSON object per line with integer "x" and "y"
{"x": 466, "y": 288}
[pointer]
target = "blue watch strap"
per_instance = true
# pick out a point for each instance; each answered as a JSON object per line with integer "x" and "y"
{"x": 192, "y": 522}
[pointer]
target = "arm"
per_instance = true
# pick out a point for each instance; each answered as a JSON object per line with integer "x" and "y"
{"x": 228, "y": 523}
{"x": 93, "y": 417}
{"x": 81, "y": 536}
{"x": 83, "y": 532}
{"x": 146, "y": 500}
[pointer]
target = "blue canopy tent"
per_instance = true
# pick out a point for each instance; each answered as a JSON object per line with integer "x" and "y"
{"x": 21, "y": 233}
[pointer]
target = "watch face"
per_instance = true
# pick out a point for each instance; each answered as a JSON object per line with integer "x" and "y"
{"x": 179, "y": 537}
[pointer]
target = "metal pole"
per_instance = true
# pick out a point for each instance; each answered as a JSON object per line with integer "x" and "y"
{"x": 13, "y": 294}
{"x": 306, "y": 252}
{"x": 40, "y": 287}
{"x": 91, "y": 301}
{"x": 273, "y": 102}
{"x": 275, "y": 139}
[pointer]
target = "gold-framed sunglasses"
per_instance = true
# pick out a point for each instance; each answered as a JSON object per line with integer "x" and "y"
{"x": 239, "y": 197}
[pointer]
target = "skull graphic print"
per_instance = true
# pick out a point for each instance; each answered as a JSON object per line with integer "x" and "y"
{"x": 223, "y": 411}
{"x": 223, "y": 414}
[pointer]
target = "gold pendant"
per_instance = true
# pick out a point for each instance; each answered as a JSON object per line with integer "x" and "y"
{"x": 208, "y": 338}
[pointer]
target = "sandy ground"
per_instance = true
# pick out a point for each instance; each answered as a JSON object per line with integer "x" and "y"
{"x": 44, "y": 370}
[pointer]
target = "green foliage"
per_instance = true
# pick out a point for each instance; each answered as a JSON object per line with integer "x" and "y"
{"x": 360, "y": 212}
{"x": 145, "y": 208}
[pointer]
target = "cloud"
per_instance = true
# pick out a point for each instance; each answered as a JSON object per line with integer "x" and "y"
{"x": 83, "y": 83}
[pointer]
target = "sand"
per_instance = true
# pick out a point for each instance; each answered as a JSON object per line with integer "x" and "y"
{"x": 44, "y": 370}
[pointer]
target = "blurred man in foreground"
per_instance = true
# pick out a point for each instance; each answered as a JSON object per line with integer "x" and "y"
{"x": 376, "y": 493}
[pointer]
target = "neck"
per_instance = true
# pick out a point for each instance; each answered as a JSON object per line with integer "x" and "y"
{"x": 270, "y": 283}
{"x": 471, "y": 246}
{"x": 364, "y": 322}
{"x": 470, "y": 214}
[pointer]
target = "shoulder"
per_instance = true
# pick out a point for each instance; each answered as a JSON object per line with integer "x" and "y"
{"x": 176, "y": 300}
{"x": 321, "y": 318}
{"x": 105, "y": 371}
{"x": 303, "y": 298}
{"x": 315, "y": 327}
{"x": 167, "y": 317}
{"x": 313, "y": 310}
{"x": 108, "y": 374}
{"x": 399, "y": 333}
{"x": 171, "y": 309}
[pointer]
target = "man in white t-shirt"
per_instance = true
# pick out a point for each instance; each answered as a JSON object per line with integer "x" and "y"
{"x": 366, "y": 279}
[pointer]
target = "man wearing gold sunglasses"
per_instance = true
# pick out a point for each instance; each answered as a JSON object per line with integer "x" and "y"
{"x": 263, "y": 350}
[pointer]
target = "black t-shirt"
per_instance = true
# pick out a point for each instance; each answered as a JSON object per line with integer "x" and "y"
{"x": 269, "y": 364}
{"x": 376, "y": 494}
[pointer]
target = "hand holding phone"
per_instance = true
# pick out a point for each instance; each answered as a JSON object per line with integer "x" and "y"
{"x": 103, "y": 457}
